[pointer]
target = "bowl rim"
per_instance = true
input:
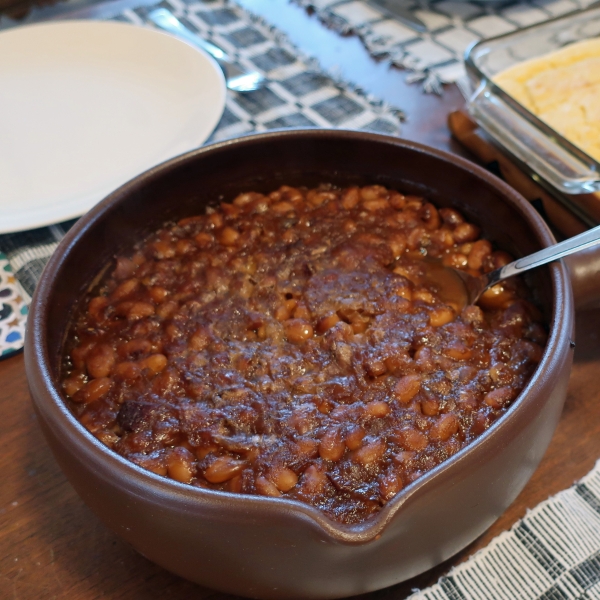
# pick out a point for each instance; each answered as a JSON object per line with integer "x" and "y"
{"x": 54, "y": 408}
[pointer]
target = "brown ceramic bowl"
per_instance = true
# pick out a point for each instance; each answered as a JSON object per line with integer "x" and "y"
{"x": 272, "y": 548}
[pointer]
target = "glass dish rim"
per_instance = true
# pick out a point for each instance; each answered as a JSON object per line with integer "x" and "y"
{"x": 483, "y": 80}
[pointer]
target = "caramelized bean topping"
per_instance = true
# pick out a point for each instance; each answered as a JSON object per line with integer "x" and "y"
{"x": 295, "y": 344}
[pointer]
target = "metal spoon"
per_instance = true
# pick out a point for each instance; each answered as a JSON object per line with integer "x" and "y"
{"x": 237, "y": 79}
{"x": 475, "y": 286}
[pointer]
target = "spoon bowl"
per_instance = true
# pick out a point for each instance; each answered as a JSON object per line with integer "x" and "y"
{"x": 450, "y": 279}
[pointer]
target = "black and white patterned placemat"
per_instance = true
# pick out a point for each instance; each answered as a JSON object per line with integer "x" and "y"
{"x": 553, "y": 553}
{"x": 298, "y": 94}
{"x": 435, "y": 57}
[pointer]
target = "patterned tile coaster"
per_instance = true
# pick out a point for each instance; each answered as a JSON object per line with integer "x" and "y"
{"x": 13, "y": 310}
{"x": 436, "y": 56}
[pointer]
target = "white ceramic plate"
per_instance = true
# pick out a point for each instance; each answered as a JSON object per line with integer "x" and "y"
{"x": 87, "y": 105}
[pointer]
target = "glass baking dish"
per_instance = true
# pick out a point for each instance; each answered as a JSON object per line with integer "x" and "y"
{"x": 546, "y": 152}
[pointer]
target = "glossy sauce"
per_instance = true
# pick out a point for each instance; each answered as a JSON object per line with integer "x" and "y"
{"x": 298, "y": 345}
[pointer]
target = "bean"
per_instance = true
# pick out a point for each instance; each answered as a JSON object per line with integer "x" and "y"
{"x": 405, "y": 458}
{"x": 397, "y": 244}
{"x": 317, "y": 198}
{"x": 406, "y": 388}
{"x": 183, "y": 247}
{"x": 167, "y": 309}
{"x": 423, "y": 295}
{"x": 375, "y": 367}
{"x": 457, "y": 350}
{"x": 223, "y": 468}
{"x": 228, "y": 236}
{"x": 472, "y": 315}
{"x": 180, "y": 464}
{"x": 465, "y": 232}
{"x": 424, "y": 358}
{"x": 499, "y": 397}
{"x": 200, "y": 339}
{"x": 93, "y": 390}
{"x": 283, "y": 478}
{"x": 418, "y": 238}
{"x": 389, "y": 485}
{"x": 127, "y": 370}
{"x": 97, "y": 306}
{"x": 108, "y": 438}
{"x": 71, "y": 385}
{"x": 444, "y": 427}
{"x": 301, "y": 311}
{"x": 413, "y": 202}
{"x": 100, "y": 361}
{"x": 479, "y": 252}
{"x": 441, "y": 316}
{"x": 231, "y": 211}
{"x": 430, "y": 406}
{"x": 376, "y": 204}
{"x": 313, "y": 480}
{"x": 215, "y": 220}
{"x": 158, "y": 293}
{"x": 327, "y": 322}
{"x": 80, "y": 353}
{"x": 455, "y": 260}
{"x": 332, "y": 446}
{"x": 281, "y": 208}
{"x": 354, "y": 437}
{"x": 496, "y": 297}
{"x": 467, "y": 400}
{"x": 156, "y": 464}
{"x": 360, "y": 324}
{"x": 163, "y": 249}
{"x": 451, "y": 216}
{"x": 377, "y": 409}
{"x": 155, "y": 362}
{"x": 369, "y": 453}
{"x": 350, "y": 198}
{"x": 307, "y": 448}
{"x": 266, "y": 487}
{"x": 297, "y": 330}
{"x": 140, "y": 310}
{"x": 246, "y": 198}
{"x": 372, "y": 192}
{"x": 204, "y": 240}
{"x": 403, "y": 290}
{"x": 235, "y": 484}
{"x": 396, "y": 200}
{"x": 412, "y": 439}
{"x": 443, "y": 238}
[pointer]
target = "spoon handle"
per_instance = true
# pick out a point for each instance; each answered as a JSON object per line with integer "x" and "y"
{"x": 167, "y": 21}
{"x": 584, "y": 240}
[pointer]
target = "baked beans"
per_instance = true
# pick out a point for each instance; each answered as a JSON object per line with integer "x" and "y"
{"x": 294, "y": 344}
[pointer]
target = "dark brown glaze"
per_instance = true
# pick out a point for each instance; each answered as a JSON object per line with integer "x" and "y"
{"x": 276, "y": 548}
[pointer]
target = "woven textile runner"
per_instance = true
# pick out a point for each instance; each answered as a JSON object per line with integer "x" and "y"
{"x": 298, "y": 94}
{"x": 435, "y": 57}
{"x": 553, "y": 553}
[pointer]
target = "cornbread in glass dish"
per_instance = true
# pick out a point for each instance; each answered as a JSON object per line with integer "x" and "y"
{"x": 533, "y": 92}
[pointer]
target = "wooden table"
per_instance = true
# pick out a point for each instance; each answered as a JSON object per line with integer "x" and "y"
{"x": 53, "y": 547}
